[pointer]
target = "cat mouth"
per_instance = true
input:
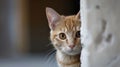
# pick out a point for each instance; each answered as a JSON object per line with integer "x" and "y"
{"x": 70, "y": 52}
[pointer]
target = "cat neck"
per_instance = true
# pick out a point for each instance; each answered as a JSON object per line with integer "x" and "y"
{"x": 65, "y": 59}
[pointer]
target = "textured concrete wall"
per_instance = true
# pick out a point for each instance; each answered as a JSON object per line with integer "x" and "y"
{"x": 100, "y": 33}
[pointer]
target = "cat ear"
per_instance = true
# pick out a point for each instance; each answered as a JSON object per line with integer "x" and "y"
{"x": 52, "y": 17}
{"x": 78, "y": 15}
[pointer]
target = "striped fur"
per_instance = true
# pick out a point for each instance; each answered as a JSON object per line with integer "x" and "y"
{"x": 69, "y": 25}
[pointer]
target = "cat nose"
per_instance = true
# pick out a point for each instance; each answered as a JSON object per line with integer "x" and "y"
{"x": 71, "y": 46}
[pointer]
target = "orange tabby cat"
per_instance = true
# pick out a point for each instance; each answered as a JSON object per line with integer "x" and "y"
{"x": 65, "y": 37}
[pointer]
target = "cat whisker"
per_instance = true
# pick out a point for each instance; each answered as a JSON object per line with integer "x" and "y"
{"x": 49, "y": 44}
{"x": 52, "y": 51}
{"x": 51, "y": 60}
{"x": 50, "y": 57}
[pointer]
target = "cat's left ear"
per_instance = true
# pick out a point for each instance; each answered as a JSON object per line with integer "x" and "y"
{"x": 53, "y": 17}
{"x": 78, "y": 15}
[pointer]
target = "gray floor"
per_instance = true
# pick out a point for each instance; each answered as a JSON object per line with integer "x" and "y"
{"x": 29, "y": 61}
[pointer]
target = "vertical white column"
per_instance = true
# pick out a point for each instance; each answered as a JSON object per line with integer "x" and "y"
{"x": 100, "y": 33}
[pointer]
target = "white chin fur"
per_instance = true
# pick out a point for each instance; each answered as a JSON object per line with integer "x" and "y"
{"x": 69, "y": 51}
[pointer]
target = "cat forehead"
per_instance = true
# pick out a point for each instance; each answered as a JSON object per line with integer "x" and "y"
{"x": 69, "y": 29}
{"x": 70, "y": 23}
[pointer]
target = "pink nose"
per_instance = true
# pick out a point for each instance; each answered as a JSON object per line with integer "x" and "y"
{"x": 71, "y": 46}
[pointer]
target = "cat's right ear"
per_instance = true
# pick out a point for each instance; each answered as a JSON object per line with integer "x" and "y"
{"x": 52, "y": 17}
{"x": 78, "y": 15}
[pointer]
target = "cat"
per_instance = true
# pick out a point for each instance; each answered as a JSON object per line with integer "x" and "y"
{"x": 65, "y": 37}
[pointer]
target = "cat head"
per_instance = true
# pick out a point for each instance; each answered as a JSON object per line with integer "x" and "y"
{"x": 64, "y": 31}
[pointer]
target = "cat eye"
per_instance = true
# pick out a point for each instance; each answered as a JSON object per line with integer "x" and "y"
{"x": 78, "y": 34}
{"x": 62, "y": 36}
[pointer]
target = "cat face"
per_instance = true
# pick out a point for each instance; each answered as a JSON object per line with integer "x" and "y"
{"x": 65, "y": 32}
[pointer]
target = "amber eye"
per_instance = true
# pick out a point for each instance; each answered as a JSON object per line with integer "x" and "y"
{"x": 62, "y": 36}
{"x": 78, "y": 34}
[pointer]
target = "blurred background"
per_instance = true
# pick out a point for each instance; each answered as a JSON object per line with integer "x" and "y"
{"x": 24, "y": 31}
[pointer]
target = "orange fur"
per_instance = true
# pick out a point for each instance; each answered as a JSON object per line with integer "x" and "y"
{"x": 68, "y": 50}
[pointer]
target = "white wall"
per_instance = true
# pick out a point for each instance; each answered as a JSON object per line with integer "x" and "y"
{"x": 100, "y": 33}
